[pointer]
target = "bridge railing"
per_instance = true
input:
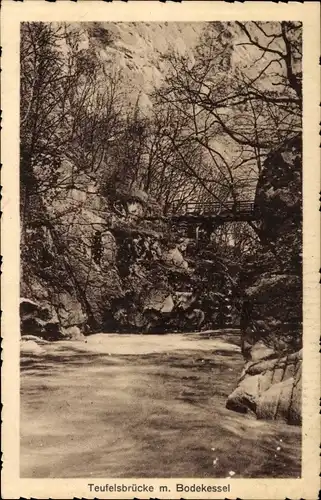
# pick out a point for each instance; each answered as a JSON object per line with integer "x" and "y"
{"x": 216, "y": 208}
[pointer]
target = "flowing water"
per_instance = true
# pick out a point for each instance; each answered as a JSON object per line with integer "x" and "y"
{"x": 144, "y": 406}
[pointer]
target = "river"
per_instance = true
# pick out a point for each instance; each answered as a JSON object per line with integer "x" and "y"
{"x": 144, "y": 406}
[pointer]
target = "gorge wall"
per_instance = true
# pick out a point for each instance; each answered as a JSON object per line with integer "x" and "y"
{"x": 270, "y": 385}
{"x": 93, "y": 265}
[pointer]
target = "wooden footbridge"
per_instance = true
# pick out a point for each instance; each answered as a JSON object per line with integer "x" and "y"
{"x": 215, "y": 212}
{"x": 206, "y": 217}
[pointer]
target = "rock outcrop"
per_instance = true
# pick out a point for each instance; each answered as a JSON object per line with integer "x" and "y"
{"x": 91, "y": 264}
{"x": 270, "y": 385}
{"x": 39, "y": 319}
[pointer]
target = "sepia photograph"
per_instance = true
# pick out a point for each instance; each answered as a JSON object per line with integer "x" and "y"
{"x": 161, "y": 249}
{"x": 160, "y": 242}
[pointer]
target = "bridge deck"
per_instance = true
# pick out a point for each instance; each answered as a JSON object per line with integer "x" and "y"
{"x": 203, "y": 213}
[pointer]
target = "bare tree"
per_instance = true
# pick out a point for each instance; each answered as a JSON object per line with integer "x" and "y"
{"x": 67, "y": 111}
{"x": 234, "y": 112}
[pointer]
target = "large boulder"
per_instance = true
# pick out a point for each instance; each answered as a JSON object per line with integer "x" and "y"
{"x": 270, "y": 389}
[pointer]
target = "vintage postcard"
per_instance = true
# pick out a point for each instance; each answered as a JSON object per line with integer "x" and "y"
{"x": 160, "y": 242}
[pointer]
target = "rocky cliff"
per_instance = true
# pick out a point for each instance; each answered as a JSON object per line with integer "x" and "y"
{"x": 270, "y": 385}
{"x": 137, "y": 50}
{"x": 94, "y": 264}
